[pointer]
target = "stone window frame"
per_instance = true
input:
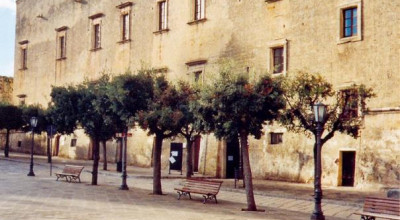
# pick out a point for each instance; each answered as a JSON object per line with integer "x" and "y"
{"x": 96, "y": 21}
{"x": 196, "y": 70}
{"x": 273, "y": 45}
{"x": 125, "y": 10}
{"x": 61, "y": 50}
{"x": 194, "y": 19}
{"x": 23, "y": 48}
{"x": 348, "y": 4}
{"x": 162, "y": 18}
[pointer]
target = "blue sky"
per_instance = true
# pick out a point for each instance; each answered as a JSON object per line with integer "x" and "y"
{"x": 7, "y": 37}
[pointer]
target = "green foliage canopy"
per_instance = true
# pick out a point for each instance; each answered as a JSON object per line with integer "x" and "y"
{"x": 303, "y": 90}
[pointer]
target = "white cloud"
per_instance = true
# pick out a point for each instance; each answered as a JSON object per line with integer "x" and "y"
{"x": 8, "y": 4}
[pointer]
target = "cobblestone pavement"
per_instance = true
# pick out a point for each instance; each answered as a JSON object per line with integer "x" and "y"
{"x": 41, "y": 197}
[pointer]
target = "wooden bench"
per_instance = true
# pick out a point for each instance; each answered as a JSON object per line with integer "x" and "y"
{"x": 386, "y": 208}
{"x": 70, "y": 173}
{"x": 208, "y": 188}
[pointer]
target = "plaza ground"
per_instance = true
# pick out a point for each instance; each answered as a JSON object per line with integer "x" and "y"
{"x": 41, "y": 197}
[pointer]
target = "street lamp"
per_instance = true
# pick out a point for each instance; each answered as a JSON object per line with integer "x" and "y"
{"x": 124, "y": 186}
{"x": 319, "y": 113}
{"x": 33, "y": 121}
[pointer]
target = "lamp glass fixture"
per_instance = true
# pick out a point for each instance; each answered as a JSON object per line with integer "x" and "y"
{"x": 34, "y": 121}
{"x": 319, "y": 111}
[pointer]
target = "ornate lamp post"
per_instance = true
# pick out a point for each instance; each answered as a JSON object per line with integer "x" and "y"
{"x": 319, "y": 112}
{"x": 33, "y": 121}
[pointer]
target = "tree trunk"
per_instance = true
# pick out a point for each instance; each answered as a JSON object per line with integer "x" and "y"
{"x": 7, "y": 147}
{"x": 96, "y": 157}
{"x": 157, "y": 190}
{"x": 189, "y": 158}
{"x": 104, "y": 143}
{"x": 251, "y": 204}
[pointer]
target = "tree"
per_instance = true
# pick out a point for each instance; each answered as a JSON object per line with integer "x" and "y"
{"x": 43, "y": 121}
{"x": 236, "y": 107}
{"x": 191, "y": 123}
{"x": 84, "y": 105}
{"x": 10, "y": 119}
{"x": 162, "y": 120}
{"x": 128, "y": 94}
{"x": 34, "y": 111}
{"x": 93, "y": 111}
{"x": 304, "y": 90}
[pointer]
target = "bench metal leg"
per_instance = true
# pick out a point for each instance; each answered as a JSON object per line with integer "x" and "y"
{"x": 184, "y": 194}
{"x": 209, "y": 197}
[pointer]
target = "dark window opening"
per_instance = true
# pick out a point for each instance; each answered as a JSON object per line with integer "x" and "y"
{"x": 19, "y": 144}
{"x": 125, "y": 27}
{"x": 276, "y": 138}
{"x": 278, "y": 60}
{"x": 197, "y": 76}
{"x": 350, "y": 22}
{"x": 62, "y": 46}
{"x": 73, "y": 142}
{"x": 97, "y": 37}
{"x": 351, "y": 107}
{"x": 24, "y": 57}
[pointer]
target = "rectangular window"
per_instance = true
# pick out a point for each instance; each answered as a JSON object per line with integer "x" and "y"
{"x": 278, "y": 60}
{"x": 73, "y": 142}
{"x": 125, "y": 27}
{"x": 97, "y": 36}
{"x": 24, "y": 58}
{"x": 276, "y": 138}
{"x": 197, "y": 76}
{"x": 350, "y": 22}
{"x": 199, "y": 9}
{"x": 61, "y": 47}
{"x": 351, "y": 108}
{"x": 162, "y": 15}
{"x": 196, "y": 70}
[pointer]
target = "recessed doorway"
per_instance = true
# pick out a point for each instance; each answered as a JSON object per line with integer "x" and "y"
{"x": 347, "y": 168}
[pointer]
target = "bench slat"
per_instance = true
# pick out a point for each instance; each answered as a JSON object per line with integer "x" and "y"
{"x": 381, "y": 208}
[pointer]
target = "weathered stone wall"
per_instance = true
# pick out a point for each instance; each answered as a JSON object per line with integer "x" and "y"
{"x": 242, "y": 32}
{"x": 6, "y": 89}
